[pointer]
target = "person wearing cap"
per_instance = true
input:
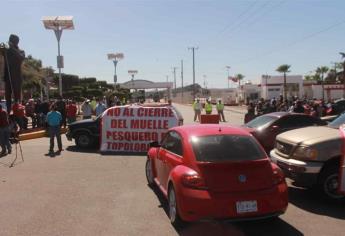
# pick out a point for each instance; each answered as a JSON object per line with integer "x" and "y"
{"x": 208, "y": 107}
{"x": 197, "y": 107}
{"x": 13, "y": 73}
{"x": 86, "y": 109}
{"x": 220, "y": 110}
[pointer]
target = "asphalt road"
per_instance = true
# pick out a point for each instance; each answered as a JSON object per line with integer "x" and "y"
{"x": 84, "y": 193}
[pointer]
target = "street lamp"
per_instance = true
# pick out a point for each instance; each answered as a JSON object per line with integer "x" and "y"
{"x": 228, "y": 70}
{"x": 58, "y": 24}
{"x": 115, "y": 57}
{"x": 132, "y": 73}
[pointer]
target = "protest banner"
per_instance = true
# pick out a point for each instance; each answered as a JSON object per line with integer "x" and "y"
{"x": 342, "y": 162}
{"x": 132, "y": 128}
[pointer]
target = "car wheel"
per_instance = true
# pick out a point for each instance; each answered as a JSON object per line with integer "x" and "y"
{"x": 329, "y": 183}
{"x": 83, "y": 140}
{"x": 173, "y": 210}
{"x": 149, "y": 172}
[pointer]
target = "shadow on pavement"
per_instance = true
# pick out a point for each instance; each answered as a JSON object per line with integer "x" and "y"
{"x": 82, "y": 150}
{"x": 311, "y": 201}
{"x": 95, "y": 150}
{"x": 275, "y": 226}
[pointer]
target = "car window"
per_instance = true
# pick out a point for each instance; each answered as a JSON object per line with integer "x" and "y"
{"x": 224, "y": 148}
{"x": 173, "y": 143}
{"x": 337, "y": 122}
{"x": 261, "y": 121}
{"x": 296, "y": 121}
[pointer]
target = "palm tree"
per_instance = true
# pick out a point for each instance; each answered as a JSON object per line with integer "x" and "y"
{"x": 284, "y": 69}
{"x": 239, "y": 77}
{"x": 321, "y": 71}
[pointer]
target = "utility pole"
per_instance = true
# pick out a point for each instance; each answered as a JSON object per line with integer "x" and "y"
{"x": 193, "y": 51}
{"x": 228, "y": 69}
{"x": 343, "y": 57}
{"x": 182, "y": 81}
{"x": 174, "y": 71}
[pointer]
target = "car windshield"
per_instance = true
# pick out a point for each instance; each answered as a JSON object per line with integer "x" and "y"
{"x": 225, "y": 148}
{"x": 337, "y": 122}
{"x": 261, "y": 121}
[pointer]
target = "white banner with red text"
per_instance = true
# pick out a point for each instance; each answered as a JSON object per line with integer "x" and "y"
{"x": 132, "y": 128}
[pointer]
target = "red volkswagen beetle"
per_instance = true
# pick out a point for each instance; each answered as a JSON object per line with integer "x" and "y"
{"x": 215, "y": 172}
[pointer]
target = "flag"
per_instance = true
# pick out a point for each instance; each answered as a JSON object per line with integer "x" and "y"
{"x": 234, "y": 79}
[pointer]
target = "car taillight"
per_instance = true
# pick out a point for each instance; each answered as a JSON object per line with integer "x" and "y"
{"x": 278, "y": 175}
{"x": 193, "y": 181}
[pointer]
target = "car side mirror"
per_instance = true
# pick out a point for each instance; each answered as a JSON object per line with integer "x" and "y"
{"x": 154, "y": 144}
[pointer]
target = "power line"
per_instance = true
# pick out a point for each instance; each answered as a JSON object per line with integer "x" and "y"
{"x": 239, "y": 16}
{"x": 283, "y": 47}
{"x": 258, "y": 17}
{"x": 255, "y": 13}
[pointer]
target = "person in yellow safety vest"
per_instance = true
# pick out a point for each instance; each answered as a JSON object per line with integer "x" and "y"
{"x": 208, "y": 107}
{"x": 197, "y": 109}
{"x": 220, "y": 110}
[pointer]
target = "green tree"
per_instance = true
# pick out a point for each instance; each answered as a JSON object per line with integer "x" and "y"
{"x": 284, "y": 69}
{"x": 322, "y": 70}
{"x": 239, "y": 77}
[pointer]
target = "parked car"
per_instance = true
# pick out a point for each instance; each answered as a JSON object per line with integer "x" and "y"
{"x": 311, "y": 156}
{"x": 266, "y": 127}
{"x": 337, "y": 107}
{"x": 86, "y": 132}
{"x": 213, "y": 171}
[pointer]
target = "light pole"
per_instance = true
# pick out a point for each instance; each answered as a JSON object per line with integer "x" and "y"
{"x": 174, "y": 73}
{"x": 343, "y": 57}
{"x": 266, "y": 77}
{"x": 115, "y": 57}
{"x": 132, "y": 73}
{"x": 58, "y": 24}
{"x": 193, "y": 51}
{"x": 228, "y": 70}
{"x": 182, "y": 81}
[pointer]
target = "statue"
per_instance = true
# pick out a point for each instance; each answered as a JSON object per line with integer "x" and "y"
{"x": 14, "y": 58}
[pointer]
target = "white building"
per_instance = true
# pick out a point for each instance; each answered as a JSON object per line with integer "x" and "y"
{"x": 273, "y": 86}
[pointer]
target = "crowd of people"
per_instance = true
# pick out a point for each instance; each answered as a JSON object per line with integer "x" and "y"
{"x": 47, "y": 114}
{"x": 313, "y": 107}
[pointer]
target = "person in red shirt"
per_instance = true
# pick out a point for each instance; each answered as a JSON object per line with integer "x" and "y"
{"x": 19, "y": 114}
{"x": 4, "y": 133}
{"x": 71, "y": 112}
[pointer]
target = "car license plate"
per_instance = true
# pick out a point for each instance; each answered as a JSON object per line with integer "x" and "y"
{"x": 246, "y": 206}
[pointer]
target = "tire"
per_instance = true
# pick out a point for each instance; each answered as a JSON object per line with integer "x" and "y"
{"x": 83, "y": 140}
{"x": 174, "y": 216}
{"x": 149, "y": 172}
{"x": 329, "y": 182}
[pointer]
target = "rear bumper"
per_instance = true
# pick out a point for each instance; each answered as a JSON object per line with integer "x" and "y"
{"x": 202, "y": 205}
{"x": 302, "y": 172}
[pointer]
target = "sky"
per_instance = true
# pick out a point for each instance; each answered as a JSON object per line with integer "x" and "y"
{"x": 253, "y": 37}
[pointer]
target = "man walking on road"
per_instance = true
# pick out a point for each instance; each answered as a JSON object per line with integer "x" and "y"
{"x": 197, "y": 109}
{"x": 4, "y": 133}
{"x": 54, "y": 119}
{"x": 220, "y": 110}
